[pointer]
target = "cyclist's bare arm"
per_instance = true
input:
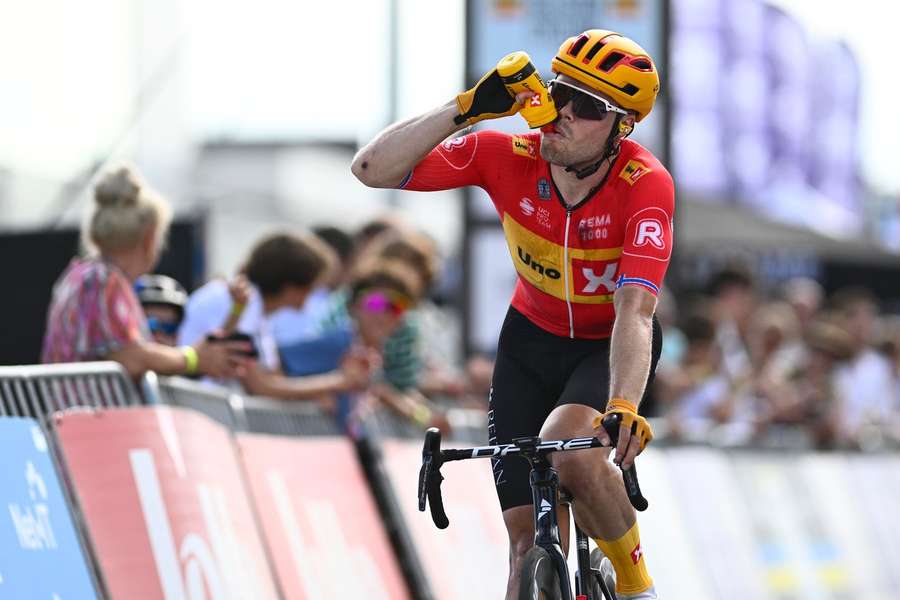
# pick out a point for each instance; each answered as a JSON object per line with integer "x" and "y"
{"x": 630, "y": 350}
{"x": 386, "y": 160}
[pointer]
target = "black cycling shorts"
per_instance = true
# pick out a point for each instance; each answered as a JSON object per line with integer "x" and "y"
{"x": 535, "y": 372}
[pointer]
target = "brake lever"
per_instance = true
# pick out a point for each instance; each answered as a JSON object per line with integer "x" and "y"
{"x": 629, "y": 476}
{"x": 430, "y": 478}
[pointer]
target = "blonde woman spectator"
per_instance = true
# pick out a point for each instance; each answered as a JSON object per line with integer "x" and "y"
{"x": 94, "y": 312}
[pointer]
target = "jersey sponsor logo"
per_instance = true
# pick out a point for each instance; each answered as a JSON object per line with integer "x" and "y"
{"x": 524, "y": 147}
{"x": 543, "y": 217}
{"x": 649, "y": 231}
{"x": 633, "y": 171}
{"x": 526, "y": 206}
{"x": 541, "y": 263}
{"x": 594, "y": 228}
{"x": 455, "y": 143}
{"x": 648, "y": 234}
{"x": 594, "y": 279}
{"x": 543, "y": 187}
{"x": 532, "y": 263}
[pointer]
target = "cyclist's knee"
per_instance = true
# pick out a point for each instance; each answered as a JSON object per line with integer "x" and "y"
{"x": 581, "y": 472}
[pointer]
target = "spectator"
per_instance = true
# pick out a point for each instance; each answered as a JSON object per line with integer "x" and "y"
{"x": 864, "y": 384}
{"x": 94, "y": 312}
{"x": 378, "y": 296}
{"x": 733, "y": 291}
{"x": 698, "y": 393}
{"x": 163, "y": 300}
{"x": 294, "y": 324}
{"x": 818, "y": 406}
{"x": 282, "y": 270}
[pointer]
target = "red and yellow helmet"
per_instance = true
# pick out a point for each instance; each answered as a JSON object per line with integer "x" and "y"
{"x": 612, "y": 64}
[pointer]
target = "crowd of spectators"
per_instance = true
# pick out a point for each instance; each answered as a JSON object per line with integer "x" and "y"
{"x": 346, "y": 320}
{"x": 789, "y": 366}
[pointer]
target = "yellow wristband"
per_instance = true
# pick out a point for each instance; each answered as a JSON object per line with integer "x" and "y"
{"x": 191, "y": 360}
{"x": 621, "y": 404}
{"x": 237, "y": 309}
{"x": 421, "y": 415}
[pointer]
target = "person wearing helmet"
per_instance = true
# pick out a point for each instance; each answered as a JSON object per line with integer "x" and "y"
{"x": 587, "y": 215}
{"x": 163, "y": 299}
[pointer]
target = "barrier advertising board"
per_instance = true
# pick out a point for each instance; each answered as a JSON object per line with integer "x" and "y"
{"x": 320, "y": 519}
{"x": 40, "y": 554}
{"x": 165, "y": 506}
{"x": 468, "y": 560}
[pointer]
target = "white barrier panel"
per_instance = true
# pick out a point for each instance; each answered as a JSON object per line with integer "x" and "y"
{"x": 721, "y": 525}
{"x": 468, "y": 560}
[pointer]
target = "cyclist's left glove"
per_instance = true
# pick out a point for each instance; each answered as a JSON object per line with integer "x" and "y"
{"x": 488, "y": 99}
{"x": 635, "y": 423}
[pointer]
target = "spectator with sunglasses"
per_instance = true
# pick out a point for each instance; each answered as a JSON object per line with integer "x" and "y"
{"x": 587, "y": 214}
{"x": 377, "y": 297}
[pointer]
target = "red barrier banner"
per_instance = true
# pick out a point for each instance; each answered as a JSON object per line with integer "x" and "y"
{"x": 320, "y": 519}
{"x": 162, "y": 494}
{"x": 468, "y": 560}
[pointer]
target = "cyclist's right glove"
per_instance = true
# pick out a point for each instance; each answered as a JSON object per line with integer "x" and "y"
{"x": 635, "y": 423}
{"x": 487, "y": 100}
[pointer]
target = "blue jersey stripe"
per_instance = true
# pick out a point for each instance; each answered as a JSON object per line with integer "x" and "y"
{"x": 637, "y": 281}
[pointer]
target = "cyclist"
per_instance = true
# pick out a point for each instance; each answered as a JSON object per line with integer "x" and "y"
{"x": 587, "y": 215}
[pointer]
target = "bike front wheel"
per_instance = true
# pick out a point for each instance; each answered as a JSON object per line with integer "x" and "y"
{"x": 538, "y": 579}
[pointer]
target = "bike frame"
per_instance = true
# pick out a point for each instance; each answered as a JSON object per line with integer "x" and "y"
{"x": 545, "y": 495}
{"x": 545, "y": 488}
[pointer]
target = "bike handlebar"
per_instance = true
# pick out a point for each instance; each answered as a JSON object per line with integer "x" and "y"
{"x": 433, "y": 458}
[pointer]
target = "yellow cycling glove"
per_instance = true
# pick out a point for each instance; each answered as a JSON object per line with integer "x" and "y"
{"x": 635, "y": 423}
{"x": 488, "y": 99}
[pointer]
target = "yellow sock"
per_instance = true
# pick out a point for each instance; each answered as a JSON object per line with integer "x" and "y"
{"x": 628, "y": 559}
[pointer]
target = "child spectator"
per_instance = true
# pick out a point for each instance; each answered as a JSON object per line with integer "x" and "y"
{"x": 163, "y": 300}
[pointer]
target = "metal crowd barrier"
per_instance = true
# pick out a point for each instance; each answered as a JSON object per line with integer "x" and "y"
{"x": 246, "y": 413}
{"x": 38, "y": 390}
{"x": 217, "y": 402}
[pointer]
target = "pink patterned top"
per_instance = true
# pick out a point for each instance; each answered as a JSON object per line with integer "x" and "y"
{"x": 93, "y": 311}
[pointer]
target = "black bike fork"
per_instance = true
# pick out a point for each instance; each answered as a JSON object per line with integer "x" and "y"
{"x": 545, "y": 495}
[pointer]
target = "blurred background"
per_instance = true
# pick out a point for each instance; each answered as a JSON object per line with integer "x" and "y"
{"x": 777, "y": 120}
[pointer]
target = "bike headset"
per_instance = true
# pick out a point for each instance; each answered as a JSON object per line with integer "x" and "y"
{"x": 616, "y": 66}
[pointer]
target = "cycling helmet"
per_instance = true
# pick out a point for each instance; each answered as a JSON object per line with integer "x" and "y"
{"x": 160, "y": 289}
{"x": 613, "y": 64}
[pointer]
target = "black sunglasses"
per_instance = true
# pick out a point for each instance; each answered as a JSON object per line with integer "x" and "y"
{"x": 584, "y": 105}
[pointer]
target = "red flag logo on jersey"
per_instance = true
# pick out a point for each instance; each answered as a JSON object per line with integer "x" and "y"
{"x": 633, "y": 171}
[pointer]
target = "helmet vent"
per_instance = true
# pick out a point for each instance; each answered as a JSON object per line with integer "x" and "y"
{"x": 593, "y": 51}
{"x": 630, "y": 89}
{"x": 578, "y": 44}
{"x": 642, "y": 63}
{"x": 610, "y": 61}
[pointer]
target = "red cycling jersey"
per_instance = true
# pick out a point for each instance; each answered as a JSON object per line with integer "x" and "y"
{"x": 570, "y": 260}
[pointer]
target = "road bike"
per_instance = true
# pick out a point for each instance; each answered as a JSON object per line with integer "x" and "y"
{"x": 544, "y": 572}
